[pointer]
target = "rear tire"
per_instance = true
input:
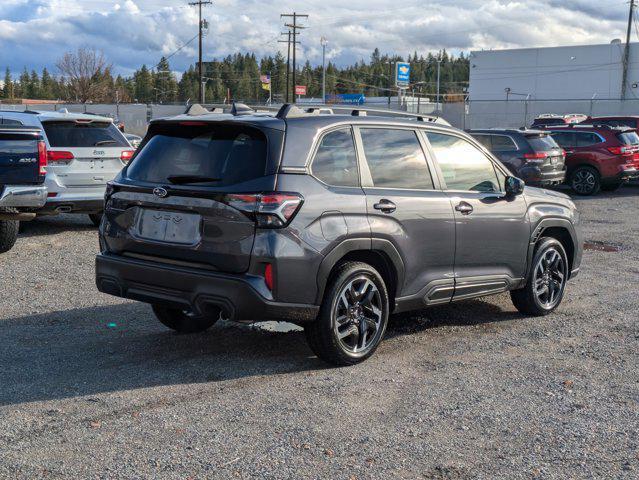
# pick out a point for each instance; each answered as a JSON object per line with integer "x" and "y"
{"x": 353, "y": 316}
{"x": 8, "y": 234}
{"x": 546, "y": 280}
{"x": 182, "y": 321}
{"x": 585, "y": 181}
{"x": 96, "y": 218}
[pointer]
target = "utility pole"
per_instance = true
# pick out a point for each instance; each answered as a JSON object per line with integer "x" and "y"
{"x": 439, "y": 67}
{"x": 324, "y": 42}
{"x": 288, "y": 62}
{"x": 294, "y": 28}
{"x": 199, "y": 4}
{"x": 626, "y": 51}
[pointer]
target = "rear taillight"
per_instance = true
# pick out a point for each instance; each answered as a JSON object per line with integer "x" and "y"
{"x": 42, "y": 158}
{"x": 270, "y": 210}
{"x": 268, "y": 276}
{"x": 536, "y": 156}
{"x": 56, "y": 157}
{"x": 126, "y": 156}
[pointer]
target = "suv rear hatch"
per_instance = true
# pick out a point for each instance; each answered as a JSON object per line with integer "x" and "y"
{"x": 22, "y": 156}
{"x": 187, "y": 197}
{"x": 629, "y": 149}
{"x": 85, "y": 153}
{"x": 549, "y": 156}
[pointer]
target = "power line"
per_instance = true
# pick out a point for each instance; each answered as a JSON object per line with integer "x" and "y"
{"x": 199, "y": 4}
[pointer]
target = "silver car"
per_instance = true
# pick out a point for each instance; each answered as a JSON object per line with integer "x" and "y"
{"x": 84, "y": 152}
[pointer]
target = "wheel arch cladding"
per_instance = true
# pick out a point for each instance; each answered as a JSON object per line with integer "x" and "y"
{"x": 380, "y": 254}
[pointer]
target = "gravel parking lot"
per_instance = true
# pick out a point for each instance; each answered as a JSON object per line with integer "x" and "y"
{"x": 94, "y": 387}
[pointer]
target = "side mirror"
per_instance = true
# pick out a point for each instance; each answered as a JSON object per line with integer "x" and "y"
{"x": 514, "y": 186}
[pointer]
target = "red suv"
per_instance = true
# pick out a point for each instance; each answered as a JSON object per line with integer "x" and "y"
{"x": 598, "y": 158}
{"x": 627, "y": 121}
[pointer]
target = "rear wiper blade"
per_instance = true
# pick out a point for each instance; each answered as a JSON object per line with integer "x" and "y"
{"x": 183, "y": 179}
{"x": 104, "y": 142}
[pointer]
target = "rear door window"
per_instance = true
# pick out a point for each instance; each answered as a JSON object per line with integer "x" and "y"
{"x": 335, "y": 161}
{"x": 205, "y": 155}
{"x": 79, "y": 135}
{"x": 564, "y": 139}
{"x": 586, "y": 139}
{"x": 463, "y": 165}
{"x": 395, "y": 159}
{"x": 502, "y": 143}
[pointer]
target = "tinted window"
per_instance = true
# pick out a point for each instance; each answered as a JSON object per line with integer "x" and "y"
{"x": 586, "y": 139}
{"x": 395, "y": 159}
{"x": 17, "y": 145}
{"x": 628, "y": 138}
{"x": 8, "y": 121}
{"x": 227, "y": 155}
{"x": 94, "y": 134}
{"x": 484, "y": 140}
{"x": 549, "y": 121}
{"x": 617, "y": 122}
{"x": 464, "y": 166}
{"x": 542, "y": 143}
{"x": 335, "y": 162}
{"x": 503, "y": 143}
{"x": 564, "y": 139}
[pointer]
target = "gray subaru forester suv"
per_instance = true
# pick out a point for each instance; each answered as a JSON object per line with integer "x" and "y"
{"x": 332, "y": 222}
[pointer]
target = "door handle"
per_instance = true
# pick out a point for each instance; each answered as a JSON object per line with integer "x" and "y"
{"x": 464, "y": 208}
{"x": 385, "y": 206}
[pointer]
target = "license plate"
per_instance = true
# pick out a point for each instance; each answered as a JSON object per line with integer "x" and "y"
{"x": 170, "y": 227}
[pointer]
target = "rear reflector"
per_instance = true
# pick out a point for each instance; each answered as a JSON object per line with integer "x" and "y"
{"x": 42, "y": 158}
{"x": 270, "y": 210}
{"x": 126, "y": 156}
{"x": 268, "y": 276}
{"x": 56, "y": 156}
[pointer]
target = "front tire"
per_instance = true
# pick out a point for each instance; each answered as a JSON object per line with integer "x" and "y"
{"x": 182, "y": 321}
{"x": 546, "y": 280}
{"x": 585, "y": 181}
{"x": 353, "y": 316}
{"x": 8, "y": 234}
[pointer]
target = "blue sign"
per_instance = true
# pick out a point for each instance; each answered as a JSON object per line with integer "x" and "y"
{"x": 346, "y": 99}
{"x": 402, "y": 74}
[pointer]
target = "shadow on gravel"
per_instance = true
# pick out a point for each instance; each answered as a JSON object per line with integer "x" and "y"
{"x": 111, "y": 348}
{"x": 49, "y": 225}
{"x": 121, "y": 347}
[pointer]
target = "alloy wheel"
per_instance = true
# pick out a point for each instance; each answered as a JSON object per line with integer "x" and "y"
{"x": 549, "y": 278}
{"x": 358, "y": 315}
{"x": 584, "y": 181}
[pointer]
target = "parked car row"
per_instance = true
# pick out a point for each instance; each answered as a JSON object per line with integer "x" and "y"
{"x": 72, "y": 155}
{"x": 600, "y": 153}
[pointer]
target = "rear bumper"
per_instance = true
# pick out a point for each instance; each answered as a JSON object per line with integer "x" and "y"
{"x": 240, "y": 297}
{"x": 23, "y": 196}
{"x": 72, "y": 205}
{"x": 535, "y": 177}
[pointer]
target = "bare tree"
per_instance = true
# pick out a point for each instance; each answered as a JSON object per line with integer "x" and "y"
{"x": 84, "y": 71}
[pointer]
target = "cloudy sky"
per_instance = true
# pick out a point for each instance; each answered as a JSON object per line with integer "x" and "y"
{"x": 35, "y": 33}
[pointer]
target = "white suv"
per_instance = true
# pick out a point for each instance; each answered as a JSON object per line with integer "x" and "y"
{"x": 84, "y": 152}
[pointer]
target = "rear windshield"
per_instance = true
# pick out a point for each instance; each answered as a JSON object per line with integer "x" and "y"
{"x": 18, "y": 145}
{"x": 94, "y": 134}
{"x": 541, "y": 143}
{"x": 213, "y": 155}
{"x": 628, "y": 138}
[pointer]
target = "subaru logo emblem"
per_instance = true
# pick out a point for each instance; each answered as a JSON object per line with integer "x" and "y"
{"x": 160, "y": 192}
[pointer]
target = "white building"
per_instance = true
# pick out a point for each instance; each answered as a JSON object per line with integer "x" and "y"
{"x": 556, "y": 73}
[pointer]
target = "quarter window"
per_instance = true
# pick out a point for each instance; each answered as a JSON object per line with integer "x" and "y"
{"x": 335, "y": 162}
{"x": 463, "y": 165}
{"x": 502, "y": 143}
{"x": 396, "y": 159}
